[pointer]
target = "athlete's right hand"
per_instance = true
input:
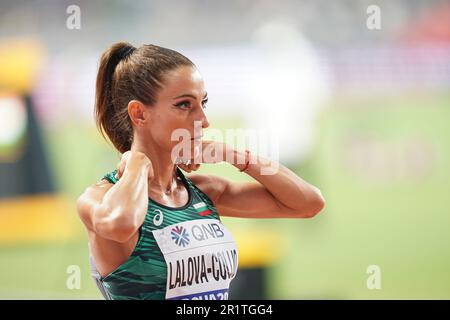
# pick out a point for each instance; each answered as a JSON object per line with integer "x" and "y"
{"x": 133, "y": 158}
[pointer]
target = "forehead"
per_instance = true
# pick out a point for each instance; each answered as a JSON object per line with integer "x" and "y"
{"x": 183, "y": 80}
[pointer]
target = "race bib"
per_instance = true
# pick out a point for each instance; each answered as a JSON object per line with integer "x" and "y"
{"x": 201, "y": 258}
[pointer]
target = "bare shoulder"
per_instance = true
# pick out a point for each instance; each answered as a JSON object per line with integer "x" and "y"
{"x": 212, "y": 185}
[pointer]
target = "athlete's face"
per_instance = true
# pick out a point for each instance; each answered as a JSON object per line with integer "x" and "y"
{"x": 180, "y": 104}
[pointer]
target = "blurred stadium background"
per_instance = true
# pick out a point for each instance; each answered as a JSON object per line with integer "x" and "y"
{"x": 363, "y": 114}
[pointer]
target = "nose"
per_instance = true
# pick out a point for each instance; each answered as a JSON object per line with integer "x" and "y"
{"x": 204, "y": 119}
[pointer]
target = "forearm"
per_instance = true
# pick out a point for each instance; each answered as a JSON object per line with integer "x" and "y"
{"x": 125, "y": 204}
{"x": 288, "y": 188}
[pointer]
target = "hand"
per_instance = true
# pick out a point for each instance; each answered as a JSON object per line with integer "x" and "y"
{"x": 211, "y": 152}
{"x": 133, "y": 158}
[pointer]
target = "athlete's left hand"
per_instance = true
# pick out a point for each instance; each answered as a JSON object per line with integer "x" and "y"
{"x": 210, "y": 152}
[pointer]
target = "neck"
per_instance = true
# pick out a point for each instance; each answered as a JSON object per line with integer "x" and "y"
{"x": 164, "y": 179}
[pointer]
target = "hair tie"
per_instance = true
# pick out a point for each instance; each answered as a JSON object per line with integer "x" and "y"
{"x": 126, "y": 51}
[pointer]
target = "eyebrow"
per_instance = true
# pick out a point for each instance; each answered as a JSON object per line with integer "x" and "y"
{"x": 191, "y": 96}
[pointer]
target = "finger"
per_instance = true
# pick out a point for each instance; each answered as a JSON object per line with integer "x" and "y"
{"x": 198, "y": 158}
{"x": 151, "y": 174}
{"x": 121, "y": 169}
{"x": 184, "y": 167}
{"x": 126, "y": 154}
{"x": 118, "y": 170}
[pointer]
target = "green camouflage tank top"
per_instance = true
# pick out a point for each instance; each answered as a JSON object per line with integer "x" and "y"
{"x": 182, "y": 253}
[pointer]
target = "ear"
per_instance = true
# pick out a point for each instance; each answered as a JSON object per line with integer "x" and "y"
{"x": 137, "y": 112}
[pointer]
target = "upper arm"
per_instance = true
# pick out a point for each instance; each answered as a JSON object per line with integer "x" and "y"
{"x": 90, "y": 200}
{"x": 243, "y": 199}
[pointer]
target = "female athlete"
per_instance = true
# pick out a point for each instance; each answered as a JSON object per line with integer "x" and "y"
{"x": 155, "y": 232}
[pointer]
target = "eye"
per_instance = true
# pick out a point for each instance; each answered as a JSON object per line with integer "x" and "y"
{"x": 205, "y": 103}
{"x": 183, "y": 105}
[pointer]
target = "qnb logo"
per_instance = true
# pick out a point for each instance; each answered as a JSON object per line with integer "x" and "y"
{"x": 205, "y": 232}
{"x": 180, "y": 236}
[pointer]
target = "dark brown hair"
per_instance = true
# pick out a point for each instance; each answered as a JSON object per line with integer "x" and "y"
{"x": 127, "y": 73}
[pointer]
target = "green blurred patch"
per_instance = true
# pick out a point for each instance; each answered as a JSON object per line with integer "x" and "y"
{"x": 39, "y": 271}
{"x": 383, "y": 207}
